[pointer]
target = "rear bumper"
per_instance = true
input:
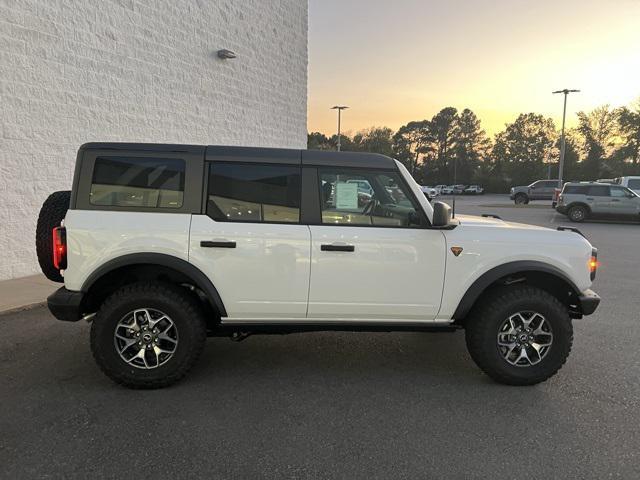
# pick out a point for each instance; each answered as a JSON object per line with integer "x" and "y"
{"x": 589, "y": 301}
{"x": 65, "y": 304}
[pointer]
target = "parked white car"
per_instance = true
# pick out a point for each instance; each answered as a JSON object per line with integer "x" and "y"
{"x": 474, "y": 190}
{"x": 447, "y": 190}
{"x": 164, "y": 245}
{"x": 430, "y": 192}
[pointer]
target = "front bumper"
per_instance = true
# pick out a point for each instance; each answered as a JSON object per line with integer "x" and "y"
{"x": 561, "y": 209}
{"x": 588, "y": 302}
{"x": 65, "y": 304}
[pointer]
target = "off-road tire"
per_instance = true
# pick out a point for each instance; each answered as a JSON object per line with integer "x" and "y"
{"x": 521, "y": 199}
{"x": 578, "y": 213}
{"x": 178, "y": 304}
{"x": 481, "y": 329}
{"x": 52, "y": 212}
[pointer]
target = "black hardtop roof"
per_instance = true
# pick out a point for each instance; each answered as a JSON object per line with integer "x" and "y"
{"x": 256, "y": 154}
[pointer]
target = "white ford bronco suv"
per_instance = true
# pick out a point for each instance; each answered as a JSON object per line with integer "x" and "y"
{"x": 160, "y": 246}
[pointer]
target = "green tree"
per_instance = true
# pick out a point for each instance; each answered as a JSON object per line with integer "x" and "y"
{"x": 471, "y": 146}
{"x": 411, "y": 141}
{"x": 443, "y": 128}
{"x": 522, "y": 149}
{"x": 629, "y": 130}
{"x": 374, "y": 139}
{"x": 318, "y": 141}
{"x": 598, "y": 131}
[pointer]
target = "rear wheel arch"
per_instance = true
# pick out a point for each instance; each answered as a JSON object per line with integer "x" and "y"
{"x": 137, "y": 267}
{"x": 578, "y": 204}
{"x": 542, "y": 275}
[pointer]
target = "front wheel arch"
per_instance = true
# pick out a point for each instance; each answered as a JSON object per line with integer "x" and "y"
{"x": 534, "y": 273}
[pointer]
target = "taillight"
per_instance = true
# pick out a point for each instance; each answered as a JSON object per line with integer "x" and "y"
{"x": 593, "y": 263}
{"x": 60, "y": 248}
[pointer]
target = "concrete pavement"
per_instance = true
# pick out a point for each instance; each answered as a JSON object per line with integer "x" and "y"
{"x": 335, "y": 405}
{"x": 26, "y": 292}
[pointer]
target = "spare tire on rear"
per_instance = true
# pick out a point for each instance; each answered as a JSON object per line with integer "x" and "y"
{"x": 52, "y": 212}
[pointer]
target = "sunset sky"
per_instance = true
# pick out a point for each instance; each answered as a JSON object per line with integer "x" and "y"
{"x": 397, "y": 61}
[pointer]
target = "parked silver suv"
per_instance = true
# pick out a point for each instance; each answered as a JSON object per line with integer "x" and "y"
{"x": 579, "y": 201}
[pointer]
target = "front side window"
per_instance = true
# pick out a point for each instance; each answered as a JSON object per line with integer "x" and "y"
{"x": 245, "y": 192}
{"x": 138, "y": 182}
{"x": 371, "y": 198}
{"x": 620, "y": 192}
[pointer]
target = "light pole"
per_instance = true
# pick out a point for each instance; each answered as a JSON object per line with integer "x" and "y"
{"x": 566, "y": 92}
{"x": 339, "y": 108}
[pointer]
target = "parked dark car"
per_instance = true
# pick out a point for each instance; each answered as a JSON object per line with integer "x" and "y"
{"x": 538, "y": 190}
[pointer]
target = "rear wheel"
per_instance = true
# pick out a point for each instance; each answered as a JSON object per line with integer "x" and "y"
{"x": 577, "y": 213}
{"x": 519, "y": 335}
{"x": 52, "y": 212}
{"x": 521, "y": 199}
{"x": 148, "y": 335}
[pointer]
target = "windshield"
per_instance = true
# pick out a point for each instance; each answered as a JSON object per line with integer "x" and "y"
{"x": 634, "y": 183}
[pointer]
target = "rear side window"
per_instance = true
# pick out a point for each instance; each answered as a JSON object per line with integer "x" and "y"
{"x": 598, "y": 191}
{"x": 575, "y": 189}
{"x": 138, "y": 182}
{"x": 244, "y": 192}
{"x": 634, "y": 184}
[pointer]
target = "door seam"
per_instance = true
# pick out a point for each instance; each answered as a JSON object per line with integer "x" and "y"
{"x": 306, "y": 314}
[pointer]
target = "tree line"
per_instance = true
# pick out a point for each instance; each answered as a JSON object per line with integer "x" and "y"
{"x": 453, "y": 147}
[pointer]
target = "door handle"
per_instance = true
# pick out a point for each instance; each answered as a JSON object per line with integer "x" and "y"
{"x": 336, "y": 247}
{"x": 589, "y": 198}
{"x": 615, "y": 200}
{"x": 217, "y": 244}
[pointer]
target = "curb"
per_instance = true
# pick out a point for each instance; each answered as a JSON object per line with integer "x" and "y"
{"x": 22, "y": 308}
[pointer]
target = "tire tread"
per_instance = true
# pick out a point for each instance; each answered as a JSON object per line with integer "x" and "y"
{"x": 167, "y": 292}
{"x": 476, "y": 332}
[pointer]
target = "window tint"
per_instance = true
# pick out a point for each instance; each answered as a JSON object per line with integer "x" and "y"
{"x": 634, "y": 183}
{"x": 619, "y": 192}
{"x": 575, "y": 189}
{"x": 138, "y": 182}
{"x": 598, "y": 191}
{"x": 366, "y": 198}
{"x": 549, "y": 184}
{"x": 243, "y": 192}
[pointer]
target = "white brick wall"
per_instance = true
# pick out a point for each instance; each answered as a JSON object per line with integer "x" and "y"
{"x": 74, "y": 71}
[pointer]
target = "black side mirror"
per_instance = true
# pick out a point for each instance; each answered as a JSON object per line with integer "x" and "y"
{"x": 441, "y": 214}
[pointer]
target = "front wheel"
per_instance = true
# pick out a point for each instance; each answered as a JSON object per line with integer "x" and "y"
{"x": 577, "y": 213}
{"x": 519, "y": 335}
{"x": 521, "y": 199}
{"x": 148, "y": 335}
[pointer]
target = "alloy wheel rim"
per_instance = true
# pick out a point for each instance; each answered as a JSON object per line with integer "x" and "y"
{"x": 146, "y": 338}
{"x": 525, "y": 338}
{"x": 578, "y": 214}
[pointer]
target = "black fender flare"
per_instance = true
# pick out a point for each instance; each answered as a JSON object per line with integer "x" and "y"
{"x": 490, "y": 276}
{"x": 199, "y": 279}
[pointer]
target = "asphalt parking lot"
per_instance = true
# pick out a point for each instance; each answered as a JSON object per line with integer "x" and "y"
{"x": 336, "y": 405}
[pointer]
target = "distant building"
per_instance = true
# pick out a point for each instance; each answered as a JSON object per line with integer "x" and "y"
{"x": 76, "y": 71}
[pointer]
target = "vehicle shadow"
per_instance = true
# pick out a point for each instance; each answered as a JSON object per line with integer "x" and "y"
{"x": 347, "y": 355}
